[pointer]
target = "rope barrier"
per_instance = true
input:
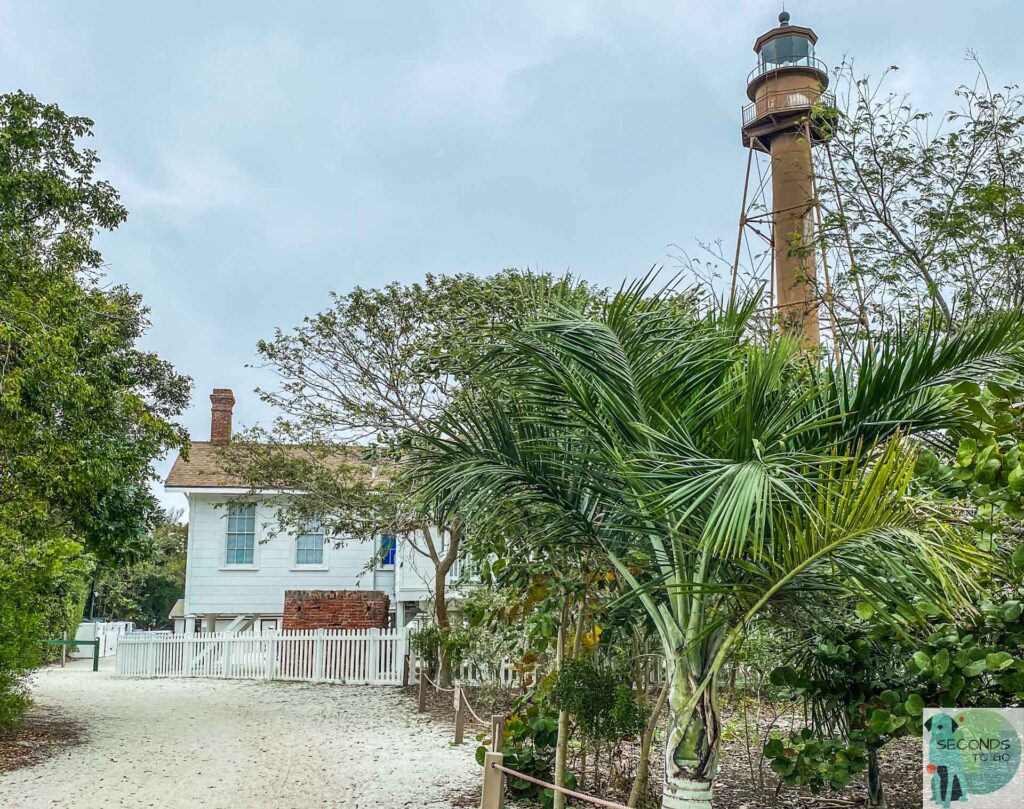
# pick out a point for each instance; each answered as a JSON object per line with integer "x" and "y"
{"x": 423, "y": 674}
{"x": 469, "y": 707}
{"x": 571, "y": 793}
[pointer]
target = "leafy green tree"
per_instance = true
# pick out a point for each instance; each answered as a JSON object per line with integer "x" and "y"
{"x": 368, "y": 372}
{"x": 145, "y": 590}
{"x": 854, "y": 674}
{"x": 922, "y": 213}
{"x": 718, "y": 476}
{"x": 868, "y": 676}
{"x": 83, "y": 411}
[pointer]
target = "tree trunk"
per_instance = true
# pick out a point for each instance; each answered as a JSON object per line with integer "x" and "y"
{"x": 562, "y": 744}
{"x": 691, "y": 750}
{"x": 443, "y": 624}
{"x": 876, "y": 797}
{"x": 92, "y": 595}
{"x": 643, "y": 765}
{"x": 442, "y": 564}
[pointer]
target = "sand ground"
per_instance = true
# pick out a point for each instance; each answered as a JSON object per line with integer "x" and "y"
{"x": 236, "y": 743}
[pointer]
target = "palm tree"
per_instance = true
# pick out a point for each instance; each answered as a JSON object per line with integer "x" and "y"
{"x": 718, "y": 475}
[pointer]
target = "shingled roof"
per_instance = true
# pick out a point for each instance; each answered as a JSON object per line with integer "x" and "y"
{"x": 202, "y": 470}
{"x": 205, "y": 467}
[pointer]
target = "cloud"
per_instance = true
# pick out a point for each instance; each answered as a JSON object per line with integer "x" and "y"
{"x": 184, "y": 184}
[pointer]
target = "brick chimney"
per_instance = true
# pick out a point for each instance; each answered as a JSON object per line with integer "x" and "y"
{"x": 222, "y": 401}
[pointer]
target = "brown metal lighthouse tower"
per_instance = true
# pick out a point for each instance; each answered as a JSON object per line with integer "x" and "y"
{"x": 785, "y": 89}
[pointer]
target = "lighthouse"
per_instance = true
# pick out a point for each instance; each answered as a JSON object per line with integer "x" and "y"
{"x": 786, "y": 88}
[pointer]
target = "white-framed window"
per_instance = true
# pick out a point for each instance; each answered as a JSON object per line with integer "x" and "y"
{"x": 386, "y": 549}
{"x": 240, "y": 544}
{"x": 309, "y": 547}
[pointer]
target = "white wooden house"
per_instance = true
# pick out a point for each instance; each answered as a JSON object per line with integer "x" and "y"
{"x": 238, "y": 567}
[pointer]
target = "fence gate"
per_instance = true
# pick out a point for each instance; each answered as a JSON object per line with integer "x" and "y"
{"x": 356, "y": 657}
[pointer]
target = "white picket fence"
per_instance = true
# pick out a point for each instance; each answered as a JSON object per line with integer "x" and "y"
{"x": 507, "y": 676}
{"x": 356, "y": 657}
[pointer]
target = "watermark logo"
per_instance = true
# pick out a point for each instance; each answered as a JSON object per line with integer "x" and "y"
{"x": 972, "y": 758}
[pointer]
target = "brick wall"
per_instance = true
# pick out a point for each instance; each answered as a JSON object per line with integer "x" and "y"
{"x": 335, "y": 609}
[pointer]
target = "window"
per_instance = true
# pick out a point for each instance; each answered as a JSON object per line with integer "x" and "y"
{"x": 241, "y": 536}
{"x": 388, "y": 546}
{"x": 783, "y": 50}
{"x": 309, "y": 547}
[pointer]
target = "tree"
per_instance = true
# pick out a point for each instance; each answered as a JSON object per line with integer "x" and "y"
{"x": 922, "y": 216}
{"x": 83, "y": 411}
{"x": 717, "y": 475}
{"x": 367, "y": 373}
{"x": 145, "y": 590}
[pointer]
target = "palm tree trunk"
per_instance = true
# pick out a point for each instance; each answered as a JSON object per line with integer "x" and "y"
{"x": 691, "y": 751}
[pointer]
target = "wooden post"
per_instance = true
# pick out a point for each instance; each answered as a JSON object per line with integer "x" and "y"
{"x": 422, "y": 705}
{"x": 188, "y": 654}
{"x": 373, "y": 657}
{"x": 64, "y": 649}
{"x": 497, "y": 733}
{"x": 271, "y": 658}
{"x": 405, "y": 671}
{"x": 318, "y": 656}
{"x": 226, "y": 656}
{"x": 460, "y": 715}
{"x": 493, "y": 796}
{"x": 96, "y": 655}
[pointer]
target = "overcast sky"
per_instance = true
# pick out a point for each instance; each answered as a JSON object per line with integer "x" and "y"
{"x": 269, "y": 152}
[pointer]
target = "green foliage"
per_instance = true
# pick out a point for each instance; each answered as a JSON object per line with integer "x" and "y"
{"x": 698, "y": 462}
{"x": 987, "y": 469}
{"x": 429, "y": 640}
{"x": 83, "y": 411}
{"x": 425, "y": 641}
{"x": 855, "y": 679}
{"x": 976, "y": 663}
{"x": 41, "y": 595}
{"x": 933, "y": 215}
{"x": 603, "y": 707}
{"x": 870, "y": 679}
{"x": 145, "y": 590}
{"x": 528, "y": 746}
{"x": 803, "y": 760}
{"x": 374, "y": 369}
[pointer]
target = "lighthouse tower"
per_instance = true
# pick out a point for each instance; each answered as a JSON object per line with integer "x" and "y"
{"x": 785, "y": 86}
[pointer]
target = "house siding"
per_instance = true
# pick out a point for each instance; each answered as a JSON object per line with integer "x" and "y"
{"x": 214, "y": 588}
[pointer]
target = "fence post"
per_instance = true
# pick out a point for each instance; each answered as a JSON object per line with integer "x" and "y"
{"x": 497, "y": 733}
{"x": 188, "y": 655}
{"x": 318, "y": 656}
{"x": 373, "y": 657}
{"x": 96, "y": 656}
{"x": 271, "y": 655}
{"x": 460, "y": 714}
{"x": 421, "y": 706}
{"x": 225, "y": 658}
{"x": 493, "y": 796}
{"x": 402, "y": 650}
{"x": 150, "y": 655}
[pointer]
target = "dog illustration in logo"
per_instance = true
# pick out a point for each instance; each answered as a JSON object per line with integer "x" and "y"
{"x": 945, "y": 761}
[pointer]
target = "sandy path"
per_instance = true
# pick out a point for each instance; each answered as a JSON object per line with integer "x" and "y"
{"x": 236, "y": 743}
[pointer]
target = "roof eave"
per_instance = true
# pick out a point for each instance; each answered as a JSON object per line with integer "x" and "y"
{"x": 193, "y": 489}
